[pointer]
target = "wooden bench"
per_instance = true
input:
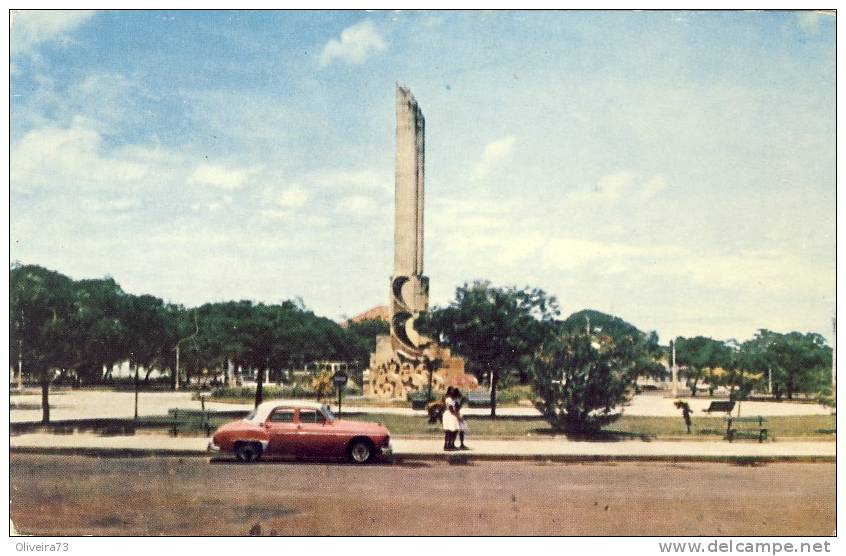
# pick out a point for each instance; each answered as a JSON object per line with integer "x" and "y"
{"x": 721, "y": 407}
{"x": 746, "y": 426}
{"x": 478, "y": 399}
{"x": 420, "y": 400}
{"x": 201, "y": 415}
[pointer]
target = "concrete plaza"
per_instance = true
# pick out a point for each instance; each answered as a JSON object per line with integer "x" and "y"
{"x": 87, "y": 404}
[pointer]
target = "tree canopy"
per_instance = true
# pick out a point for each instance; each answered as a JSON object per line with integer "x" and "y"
{"x": 84, "y": 326}
{"x": 584, "y": 372}
{"x": 496, "y": 329}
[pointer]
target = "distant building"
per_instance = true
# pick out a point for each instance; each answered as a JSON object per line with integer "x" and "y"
{"x": 380, "y": 312}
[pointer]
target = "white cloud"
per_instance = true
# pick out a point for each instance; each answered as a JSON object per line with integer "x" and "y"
{"x": 618, "y": 187}
{"x": 613, "y": 186}
{"x": 809, "y": 21}
{"x": 292, "y": 198}
{"x": 353, "y": 179}
{"x": 355, "y": 44}
{"x": 357, "y": 206}
{"x": 494, "y": 152}
{"x": 71, "y": 156}
{"x": 32, "y": 27}
{"x": 653, "y": 186}
{"x": 114, "y": 205}
{"x": 568, "y": 252}
{"x": 219, "y": 176}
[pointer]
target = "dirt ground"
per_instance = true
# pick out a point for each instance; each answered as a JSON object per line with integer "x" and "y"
{"x": 78, "y": 495}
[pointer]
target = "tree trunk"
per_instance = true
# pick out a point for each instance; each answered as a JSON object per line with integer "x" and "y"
{"x": 259, "y": 388}
{"x": 45, "y": 396}
{"x": 494, "y": 380}
{"x": 692, "y": 386}
{"x": 174, "y": 383}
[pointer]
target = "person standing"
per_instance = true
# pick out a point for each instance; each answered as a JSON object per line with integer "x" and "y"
{"x": 450, "y": 419}
{"x": 685, "y": 413}
{"x": 462, "y": 424}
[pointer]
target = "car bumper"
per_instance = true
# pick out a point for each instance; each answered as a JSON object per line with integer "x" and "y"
{"x": 386, "y": 452}
{"x": 212, "y": 447}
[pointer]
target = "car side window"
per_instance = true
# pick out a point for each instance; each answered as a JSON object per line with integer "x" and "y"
{"x": 310, "y": 416}
{"x": 282, "y": 416}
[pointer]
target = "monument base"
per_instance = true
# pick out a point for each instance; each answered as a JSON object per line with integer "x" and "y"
{"x": 393, "y": 375}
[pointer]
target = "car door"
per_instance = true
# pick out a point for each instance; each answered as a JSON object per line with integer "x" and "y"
{"x": 281, "y": 428}
{"x": 315, "y": 435}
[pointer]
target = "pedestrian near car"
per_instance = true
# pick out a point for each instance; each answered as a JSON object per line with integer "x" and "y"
{"x": 450, "y": 419}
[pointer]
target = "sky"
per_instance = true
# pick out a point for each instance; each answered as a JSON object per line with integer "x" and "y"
{"x": 673, "y": 168}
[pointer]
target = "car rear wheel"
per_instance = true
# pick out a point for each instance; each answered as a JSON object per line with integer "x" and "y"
{"x": 247, "y": 452}
{"x": 360, "y": 451}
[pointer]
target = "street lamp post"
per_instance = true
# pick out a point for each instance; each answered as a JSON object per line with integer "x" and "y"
{"x": 674, "y": 370}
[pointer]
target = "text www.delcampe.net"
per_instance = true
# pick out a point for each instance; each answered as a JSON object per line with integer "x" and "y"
{"x": 730, "y": 546}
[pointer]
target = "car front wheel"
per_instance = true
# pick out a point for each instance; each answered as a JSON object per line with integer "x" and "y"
{"x": 248, "y": 451}
{"x": 360, "y": 451}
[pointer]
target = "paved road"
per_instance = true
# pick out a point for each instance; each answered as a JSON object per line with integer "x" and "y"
{"x": 73, "y": 495}
{"x": 103, "y": 404}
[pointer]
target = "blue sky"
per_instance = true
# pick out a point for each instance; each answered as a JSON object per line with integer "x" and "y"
{"x": 676, "y": 169}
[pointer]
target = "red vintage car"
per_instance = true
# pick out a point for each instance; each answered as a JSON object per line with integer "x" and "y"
{"x": 301, "y": 429}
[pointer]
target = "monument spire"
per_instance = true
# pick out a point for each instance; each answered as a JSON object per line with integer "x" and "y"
{"x": 409, "y": 185}
{"x": 404, "y": 360}
{"x": 409, "y": 288}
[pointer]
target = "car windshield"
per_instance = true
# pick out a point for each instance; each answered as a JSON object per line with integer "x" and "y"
{"x": 327, "y": 413}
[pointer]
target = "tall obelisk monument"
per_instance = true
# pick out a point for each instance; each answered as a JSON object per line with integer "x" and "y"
{"x": 409, "y": 288}
{"x": 401, "y": 362}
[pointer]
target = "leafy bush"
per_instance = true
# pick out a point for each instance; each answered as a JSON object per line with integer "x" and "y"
{"x": 323, "y": 386}
{"x": 581, "y": 378}
{"x": 514, "y": 394}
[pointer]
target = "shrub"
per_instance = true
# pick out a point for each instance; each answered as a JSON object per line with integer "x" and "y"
{"x": 581, "y": 378}
{"x": 322, "y": 385}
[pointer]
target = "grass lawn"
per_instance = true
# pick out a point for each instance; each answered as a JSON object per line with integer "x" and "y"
{"x": 817, "y": 427}
{"x": 814, "y": 426}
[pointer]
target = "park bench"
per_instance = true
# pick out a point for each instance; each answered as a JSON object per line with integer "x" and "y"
{"x": 420, "y": 400}
{"x": 746, "y": 426}
{"x": 478, "y": 399}
{"x": 185, "y": 415}
{"x": 720, "y": 407}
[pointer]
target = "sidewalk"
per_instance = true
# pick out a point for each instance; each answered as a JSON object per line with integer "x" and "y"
{"x": 82, "y": 404}
{"x": 426, "y": 449}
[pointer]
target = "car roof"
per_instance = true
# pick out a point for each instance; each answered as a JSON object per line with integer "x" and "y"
{"x": 264, "y": 409}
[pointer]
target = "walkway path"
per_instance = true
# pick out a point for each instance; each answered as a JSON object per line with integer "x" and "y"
{"x": 70, "y": 405}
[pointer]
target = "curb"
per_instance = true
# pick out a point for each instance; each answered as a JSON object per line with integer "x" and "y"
{"x": 462, "y": 459}
{"x": 105, "y": 452}
{"x": 451, "y": 459}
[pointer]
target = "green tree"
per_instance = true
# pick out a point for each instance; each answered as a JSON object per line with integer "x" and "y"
{"x": 496, "y": 329}
{"x": 582, "y": 373}
{"x": 361, "y": 337}
{"x": 150, "y": 334}
{"x": 801, "y": 363}
{"x": 257, "y": 336}
{"x": 622, "y": 333}
{"x": 40, "y": 309}
{"x": 697, "y": 354}
{"x": 100, "y": 332}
